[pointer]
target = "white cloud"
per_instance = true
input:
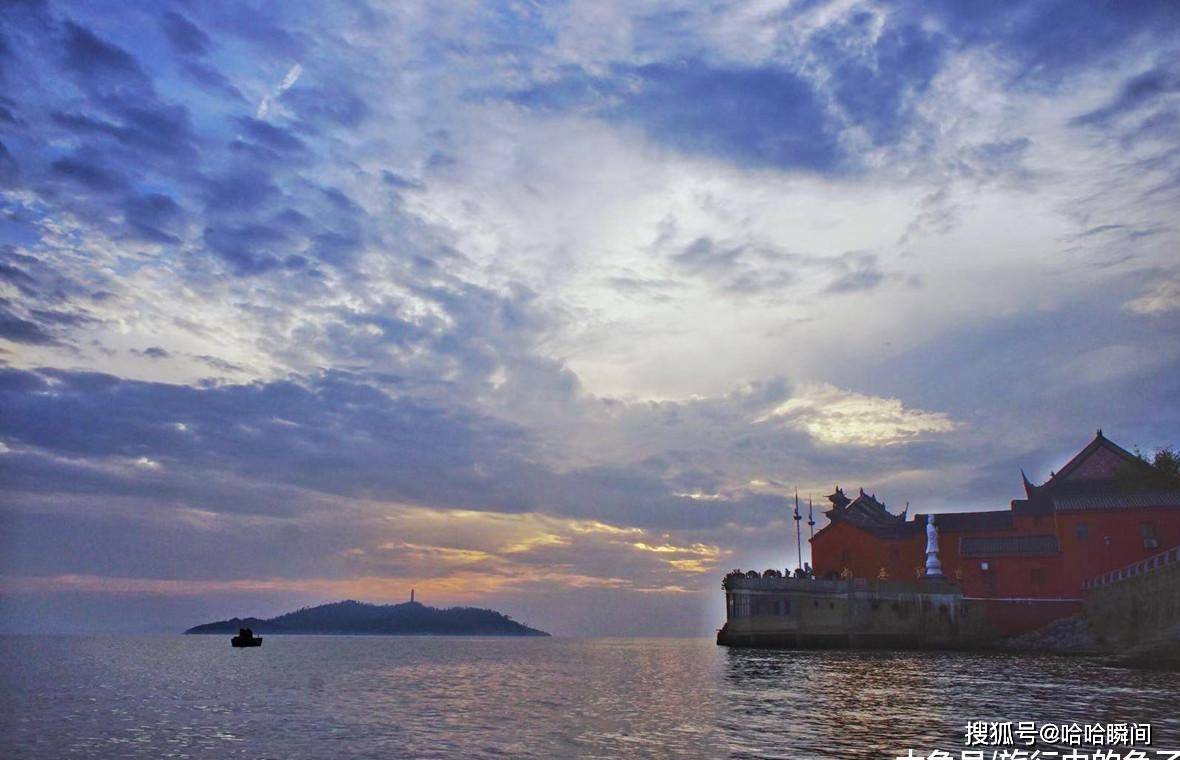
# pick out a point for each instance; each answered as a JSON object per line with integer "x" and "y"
{"x": 291, "y": 77}
{"x": 838, "y": 417}
{"x": 1160, "y": 298}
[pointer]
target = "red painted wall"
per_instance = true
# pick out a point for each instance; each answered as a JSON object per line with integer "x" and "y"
{"x": 1083, "y": 556}
{"x": 843, "y": 545}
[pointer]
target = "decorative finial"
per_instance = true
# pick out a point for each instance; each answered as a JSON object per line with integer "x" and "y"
{"x": 1028, "y": 486}
{"x": 1099, "y": 432}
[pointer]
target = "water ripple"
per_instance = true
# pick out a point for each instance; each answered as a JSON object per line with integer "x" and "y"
{"x": 370, "y": 697}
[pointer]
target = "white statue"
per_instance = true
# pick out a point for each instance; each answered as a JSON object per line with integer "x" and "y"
{"x": 933, "y": 566}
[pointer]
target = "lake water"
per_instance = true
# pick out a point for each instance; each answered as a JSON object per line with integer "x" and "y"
{"x": 373, "y": 697}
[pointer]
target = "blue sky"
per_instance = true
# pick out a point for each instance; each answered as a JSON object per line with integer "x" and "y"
{"x": 552, "y": 307}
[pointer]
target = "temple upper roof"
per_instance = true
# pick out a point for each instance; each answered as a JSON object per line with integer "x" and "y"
{"x": 1102, "y": 460}
{"x": 864, "y": 511}
{"x": 838, "y": 499}
{"x": 1103, "y": 475}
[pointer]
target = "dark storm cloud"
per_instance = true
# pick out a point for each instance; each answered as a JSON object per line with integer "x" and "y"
{"x": 1137, "y": 93}
{"x": 858, "y": 272}
{"x": 101, "y": 152}
{"x": 644, "y": 287}
{"x": 125, "y": 545}
{"x": 751, "y": 116}
{"x": 398, "y": 182}
{"x": 154, "y": 216}
{"x": 391, "y": 329}
{"x": 158, "y": 127}
{"x": 875, "y": 64}
{"x": 336, "y": 247}
{"x": 192, "y": 46}
{"x": 219, "y": 364}
{"x": 1049, "y": 39}
{"x": 13, "y": 274}
{"x": 19, "y": 330}
{"x": 261, "y": 27}
{"x": 8, "y": 167}
{"x": 754, "y": 116}
{"x": 92, "y": 176}
{"x": 240, "y": 190}
{"x": 185, "y": 36}
{"x": 212, "y": 79}
{"x": 248, "y": 248}
{"x": 332, "y": 433}
{"x": 996, "y": 158}
{"x": 270, "y": 136}
{"x": 322, "y": 107}
{"x": 704, "y": 254}
{"x": 876, "y": 85}
{"x": 102, "y": 67}
{"x": 739, "y": 269}
{"x": 37, "y": 326}
{"x": 134, "y": 160}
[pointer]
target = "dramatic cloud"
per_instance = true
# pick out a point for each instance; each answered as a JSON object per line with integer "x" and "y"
{"x": 554, "y": 307}
{"x": 838, "y": 417}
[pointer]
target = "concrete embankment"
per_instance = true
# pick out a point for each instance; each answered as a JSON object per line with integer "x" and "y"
{"x": 1135, "y": 614}
{"x": 775, "y": 612}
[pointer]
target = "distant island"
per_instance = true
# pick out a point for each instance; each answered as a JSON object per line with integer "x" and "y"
{"x": 358, "y": 618}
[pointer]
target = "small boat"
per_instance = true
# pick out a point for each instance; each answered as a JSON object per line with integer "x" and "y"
{"x": 246, "y": 638}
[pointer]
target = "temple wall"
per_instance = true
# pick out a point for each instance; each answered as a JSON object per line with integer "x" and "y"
{"x": 842, "y": 545}
{"x": 1083, "y": 555}
{"x": 1090, "y": 556}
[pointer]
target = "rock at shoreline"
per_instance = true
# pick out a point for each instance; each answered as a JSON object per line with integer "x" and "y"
{"x": 1070, "y": 635}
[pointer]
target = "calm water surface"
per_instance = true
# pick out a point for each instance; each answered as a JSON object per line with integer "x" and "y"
{"x": 374, "y": 697}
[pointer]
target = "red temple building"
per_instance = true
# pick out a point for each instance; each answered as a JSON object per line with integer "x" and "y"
{"x": 1105, "y": 509}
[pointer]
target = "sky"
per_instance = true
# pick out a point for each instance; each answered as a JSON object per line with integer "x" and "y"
{"x": 553, "y": 307}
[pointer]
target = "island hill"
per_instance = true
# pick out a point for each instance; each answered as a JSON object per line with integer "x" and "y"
{"x": 357, "y": 618}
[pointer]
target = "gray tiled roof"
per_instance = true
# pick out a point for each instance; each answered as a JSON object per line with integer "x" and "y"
{"x": 1008, "y": 546}
{"x": 996, "y": 519}
{"x": 1117, "y": 501}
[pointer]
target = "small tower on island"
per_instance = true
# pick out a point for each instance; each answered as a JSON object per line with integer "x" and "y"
{"x": 411, "y": 596}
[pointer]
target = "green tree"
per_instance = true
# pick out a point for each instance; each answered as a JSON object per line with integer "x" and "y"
{"x": 1163, "y": 471}
{"x": 1167, "y": 461}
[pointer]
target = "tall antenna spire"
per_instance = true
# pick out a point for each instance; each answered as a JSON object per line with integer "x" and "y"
{"x": 810, "y": 520}
{"x": 798, "y": 533}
